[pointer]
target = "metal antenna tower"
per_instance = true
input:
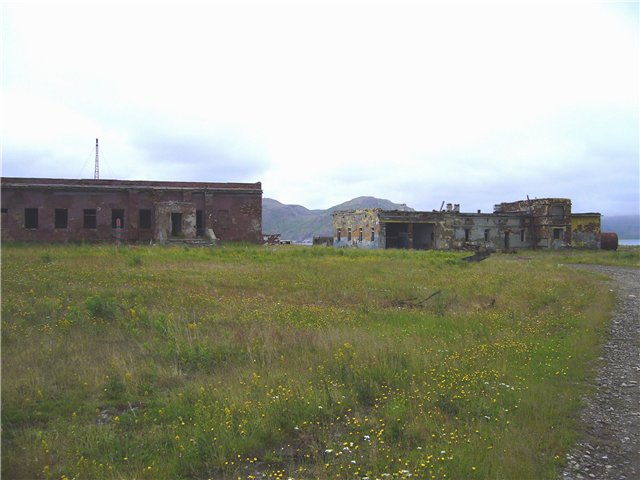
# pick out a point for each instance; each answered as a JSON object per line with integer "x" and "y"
{"x": 96, "y": 172}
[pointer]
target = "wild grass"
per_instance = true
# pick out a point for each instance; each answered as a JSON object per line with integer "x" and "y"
{"x": 286, "y": 362}
{"x": 625, "y": 255}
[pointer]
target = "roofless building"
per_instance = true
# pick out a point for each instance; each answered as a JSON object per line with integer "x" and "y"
{"x": 538, "y": 223}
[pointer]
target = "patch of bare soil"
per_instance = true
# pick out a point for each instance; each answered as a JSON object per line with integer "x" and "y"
{"x": 610, "y": 448}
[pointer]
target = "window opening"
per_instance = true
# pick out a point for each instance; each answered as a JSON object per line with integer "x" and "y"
{"x": 557, "y": 212}
{"x": 117, "y": 218}
{"x": 89, "y": 218}
{"x": 360, "y": 234}
{"x": 61, "y": 218}
{"x": 467, "y": 234}
{"x": 31, "y": 218}
{"x": 522, "y": 237}
{"x": 349, "y": 235}
{"x": 557, "y": 233}
{"x": 338, "y": 232}
{"x": 373, "y": 234}
{"x": 144, "y": 221}
{"x": 486, "y": 235}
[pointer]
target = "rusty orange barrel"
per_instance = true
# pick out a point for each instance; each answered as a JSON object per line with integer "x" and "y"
{"x": 609, "y": 241}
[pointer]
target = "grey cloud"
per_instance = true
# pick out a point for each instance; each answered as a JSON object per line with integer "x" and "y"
{"x": 38, "y": 162}
{"x": 198, "y": 158}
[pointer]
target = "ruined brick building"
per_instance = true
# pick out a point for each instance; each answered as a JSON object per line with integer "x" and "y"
{"x": 61, "y": 210}
{"x": 543, "y": 223}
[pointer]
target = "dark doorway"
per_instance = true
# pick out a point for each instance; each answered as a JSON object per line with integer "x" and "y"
{"x": 117, "y": 218}
{"x": 506, "y": 240}
{"x": 176, "y": 224}
{"x": 423, "y": 235}
{"x": 199, "y": 224}
{"x": 397, "y": 235}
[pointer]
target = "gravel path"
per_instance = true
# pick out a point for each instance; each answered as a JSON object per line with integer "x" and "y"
{"x": 611, "y": 447}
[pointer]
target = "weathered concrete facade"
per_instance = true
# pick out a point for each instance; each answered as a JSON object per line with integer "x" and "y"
{"x": 545, "y": 223}
{"x": 550, "y": 220}
{"x": 60, "y": 210}
{"x": 585, "y": 230}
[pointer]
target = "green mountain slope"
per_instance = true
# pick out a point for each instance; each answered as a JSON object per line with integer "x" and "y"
{"x": 299, "y": 224}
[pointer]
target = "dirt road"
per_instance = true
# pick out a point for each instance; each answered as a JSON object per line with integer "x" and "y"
{"x": 611, "y": 447}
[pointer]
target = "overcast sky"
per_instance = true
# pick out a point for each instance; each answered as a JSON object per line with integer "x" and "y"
{"x": 465, "y": 102}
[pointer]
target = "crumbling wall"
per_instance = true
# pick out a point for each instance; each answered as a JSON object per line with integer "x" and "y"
{"x": 164, "y": 222}
{"x": 545, "y": 223}
{"x": 585, "y": 230}
{"x": 550, "y": 219}
{"x": 490, "y": 232}
{"x": 357, "y": 228}
{"x": 271, "y": 238}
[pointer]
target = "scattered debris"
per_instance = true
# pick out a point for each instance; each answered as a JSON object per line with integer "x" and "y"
{"x": 477, "y": 257}
{"x": 414, "y": 302}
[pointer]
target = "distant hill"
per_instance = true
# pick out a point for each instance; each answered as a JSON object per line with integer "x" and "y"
{"x": 369, "y": 202}
{"x": 626, "y": 226}
{"x": 299, "y": 224}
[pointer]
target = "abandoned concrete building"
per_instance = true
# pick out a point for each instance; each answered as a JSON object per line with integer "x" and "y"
{"x": 61, "y": 210}
{"x": 538, "y": 223}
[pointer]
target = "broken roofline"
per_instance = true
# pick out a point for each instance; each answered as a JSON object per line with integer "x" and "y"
{"x": 506, "y": 209}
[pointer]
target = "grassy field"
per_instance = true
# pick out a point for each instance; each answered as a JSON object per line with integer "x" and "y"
{"x": 288, "y": 362}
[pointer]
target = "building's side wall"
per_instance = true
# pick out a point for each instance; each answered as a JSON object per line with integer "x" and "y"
{"x": 15, "y": 201}
{"x": 232, "y": 215}
{"x": 432, "y": 230}
{"x": 551, "y": 219}
{"x": 359, "y": 228}
{"x": 488, "y": 231}
{"x": 235, "y": 217}
{"x": 585, "y": 230}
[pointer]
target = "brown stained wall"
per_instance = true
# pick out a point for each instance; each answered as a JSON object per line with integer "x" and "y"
{"x": 233, "y": 211}
{"x": 550, "y": 219}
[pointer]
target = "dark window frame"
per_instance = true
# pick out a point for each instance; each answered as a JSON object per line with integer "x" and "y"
{"x": 31, "y": 218}
{"x": 61, "y": 218}
{"x": 90, "y": 218}
{"x": 144, "y": 219}
{"x": 348, "y": 235}
{"x": 558, "y": 212}
{"x": 373, "y": 234}
{"x": 338, "y": 234}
